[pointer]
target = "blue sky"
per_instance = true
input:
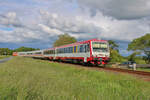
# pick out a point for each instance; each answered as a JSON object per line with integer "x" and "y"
{"x": 37, "y": 23}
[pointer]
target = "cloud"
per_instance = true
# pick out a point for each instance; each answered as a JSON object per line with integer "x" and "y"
{"x": 48, "y": 30}
{"x": 49, "y": 25}
{"x": 9, "y": 19}
{"x": 76, "y": 26}
{"x": 42, "y": 24}
{"x": 120, "y": 9}
{"x": 37, "y": 23}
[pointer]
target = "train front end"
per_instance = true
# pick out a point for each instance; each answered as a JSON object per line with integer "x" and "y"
{"x": 100, "y": 52}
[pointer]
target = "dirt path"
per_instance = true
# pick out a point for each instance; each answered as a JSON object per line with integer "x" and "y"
{"x": 5, "y": 59}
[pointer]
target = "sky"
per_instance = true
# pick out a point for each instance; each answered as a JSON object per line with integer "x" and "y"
{"x": 37, "y": 23}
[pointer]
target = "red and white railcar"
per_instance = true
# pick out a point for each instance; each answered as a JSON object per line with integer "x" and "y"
{"x": 88, "y": 52}
{"x": 91, "y": 51}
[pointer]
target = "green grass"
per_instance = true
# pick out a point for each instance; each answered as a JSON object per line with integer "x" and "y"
{"x": 2, "y": 56}
{"x": 30, "y": 79}
{"x": 140, "y": 61}
{"x": 144, "y": 69}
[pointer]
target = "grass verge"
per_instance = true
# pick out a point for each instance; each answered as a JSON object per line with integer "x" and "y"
{"x": 30, "y": 79}
{"x": 2, "y": 56}
{"x": 144, "y": 69}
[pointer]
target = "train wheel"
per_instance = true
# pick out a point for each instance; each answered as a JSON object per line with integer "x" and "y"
{"x": 103, "y": 65}
{"x": 84, "y": 64}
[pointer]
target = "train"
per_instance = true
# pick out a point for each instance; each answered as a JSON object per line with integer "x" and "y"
{"x": 94, "y": 51}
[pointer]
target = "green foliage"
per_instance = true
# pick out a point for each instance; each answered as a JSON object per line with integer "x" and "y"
{"x": 137, "y": 59}
{"x": 114, "y": 52}
{"x": 5, "y": 51}
{"x": 144, "y": 69}
{"x": 115, "y": 56}
{"x": 132, "y": 57}
{"x": 3, "y": 56}
{"x": 140, "y": 61}
{"x": 64, "y": 39}
{"x": 147, "y": 57}
{"x": 21, "y": 49}
{"x": 113, "y": 45}
{"x": 141, "y": 45}
{"x": 30, "y": 79}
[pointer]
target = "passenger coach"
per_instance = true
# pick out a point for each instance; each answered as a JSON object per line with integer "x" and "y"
{"x": 87, "y": 52}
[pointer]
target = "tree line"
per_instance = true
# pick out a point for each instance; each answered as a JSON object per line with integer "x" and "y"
{"x": 139, "y": 46}
{"x": 7, "y": 51}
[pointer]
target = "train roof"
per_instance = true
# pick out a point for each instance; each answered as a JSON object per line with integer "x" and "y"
{"x": 81, "y": 42}
{"x": 68, "y": 45}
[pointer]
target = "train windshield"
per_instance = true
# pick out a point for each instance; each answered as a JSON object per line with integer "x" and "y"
{"x": 100, "y": 47}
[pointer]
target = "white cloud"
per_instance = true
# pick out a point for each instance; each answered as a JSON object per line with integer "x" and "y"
{"x": 50, "y": 25}
{"x": 51, "y": 32}
{"x": 9, "y": 19}
{"x": 44, "y": 25}
{"x": 69, "y": 24}
{"x": 120, "y": 9}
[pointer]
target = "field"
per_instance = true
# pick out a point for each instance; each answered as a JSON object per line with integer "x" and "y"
{"x": 2, "y": 57}
{"x": 30, "y": 79}
{"x": 144, "y": 69}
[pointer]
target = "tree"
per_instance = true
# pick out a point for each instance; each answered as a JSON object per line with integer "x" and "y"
{"x": 113, "y": 45}
{"x": 114, "y": 52}
{"x": 147, "y": 57}
{"x": 115, "y": 56}
{"x": 5, "y": 51}
{"x": 132, "y": 57}
{"x": 21, "y": 49}
{"x": 142, "y": 45}
{"x": 64, "y": 39}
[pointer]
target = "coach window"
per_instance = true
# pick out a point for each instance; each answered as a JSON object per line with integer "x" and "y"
{"x": 78, "y": 48}
{"x": 64, "y": 50}
{"x": 70, "y": 49}
{"x": 87, "y": 48}
{"x": 75, "y": 49}
{"x": 48, "y": 52}
{"x": 57, "y": 50}
{"x": 67, "y": 50}
{"x": 60, "y": 50}
{"x": 38, "y": 53}
{"x": 81, "y": 48}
